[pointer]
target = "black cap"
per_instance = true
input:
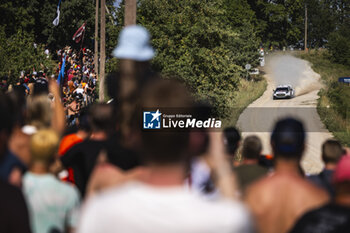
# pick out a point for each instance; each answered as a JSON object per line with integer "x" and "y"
{"x": 41, "y": 86}
{"x": 288, "y": 136}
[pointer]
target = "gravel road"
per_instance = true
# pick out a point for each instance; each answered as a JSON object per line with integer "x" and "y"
{"x": 261, "y": 115}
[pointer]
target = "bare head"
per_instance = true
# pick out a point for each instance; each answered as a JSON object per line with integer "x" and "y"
{"x": 252, "y": 147}
{"x": 331, "y": 151}
{"x": 101, "y": 117}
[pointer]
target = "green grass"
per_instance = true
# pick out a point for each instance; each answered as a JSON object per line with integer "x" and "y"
{"x": 248, "y": 91}
{"x": 334, "y": 102}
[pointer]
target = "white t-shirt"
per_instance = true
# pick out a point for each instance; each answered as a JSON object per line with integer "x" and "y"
{"x": 140, "y": 208}
{"x": 200, "y": 178}
{"x": 79, "y": 90}
{"x": 52, "y": 203}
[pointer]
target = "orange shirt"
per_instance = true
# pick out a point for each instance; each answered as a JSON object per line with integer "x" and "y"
{"x": 66, "y": 143}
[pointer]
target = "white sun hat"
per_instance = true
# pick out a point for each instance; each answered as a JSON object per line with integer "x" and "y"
{"x": 134, "y": 44}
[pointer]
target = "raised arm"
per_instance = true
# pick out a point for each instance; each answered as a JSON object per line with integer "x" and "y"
{"x": 58, "y": 121}
{"x": 221, "y": 169}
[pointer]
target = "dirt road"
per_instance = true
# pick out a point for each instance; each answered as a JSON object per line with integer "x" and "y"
{"x": 261, "y": 115}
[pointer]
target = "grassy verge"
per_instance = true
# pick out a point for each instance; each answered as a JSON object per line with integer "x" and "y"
{"x": 334, "y": 102}
{"x": 248, "y": 92}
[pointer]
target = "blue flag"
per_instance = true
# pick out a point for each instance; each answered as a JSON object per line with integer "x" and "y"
{"x": 60, "y": 78}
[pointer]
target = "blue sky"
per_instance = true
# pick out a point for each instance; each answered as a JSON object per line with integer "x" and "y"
{"x": 117, "y": 2}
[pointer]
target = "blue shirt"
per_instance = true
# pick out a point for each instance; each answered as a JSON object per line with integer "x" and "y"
{"x": 8, "y": 163}
{"x": 52, "y": 204}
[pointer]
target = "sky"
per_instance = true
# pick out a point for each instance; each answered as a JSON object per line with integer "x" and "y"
{"x": 117, "y": 2}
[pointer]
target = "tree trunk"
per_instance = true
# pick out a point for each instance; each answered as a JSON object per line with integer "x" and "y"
{"x": 103, "y": 51}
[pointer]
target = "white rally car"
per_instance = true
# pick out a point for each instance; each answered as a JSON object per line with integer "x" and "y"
{"x": 283, "y": 92}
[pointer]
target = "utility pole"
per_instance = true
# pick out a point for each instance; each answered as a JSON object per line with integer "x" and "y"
{"x": 96, "y": 60}
{"x": 128, "y": 82}
{"x": 305, "y": 43}
{"x": 127, "y": 66}
{"x": 130, "y": 12}
{"x": 103, "y": 50}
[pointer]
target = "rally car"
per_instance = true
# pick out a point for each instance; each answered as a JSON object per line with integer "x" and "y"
{"x": 283, "y": 92}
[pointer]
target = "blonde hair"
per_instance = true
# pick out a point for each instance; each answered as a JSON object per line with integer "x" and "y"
{"x": 39, "y": 111}
{"x": 44, "y": 145}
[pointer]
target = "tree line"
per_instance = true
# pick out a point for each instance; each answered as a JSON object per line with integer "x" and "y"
{"x": 204, "y": 42}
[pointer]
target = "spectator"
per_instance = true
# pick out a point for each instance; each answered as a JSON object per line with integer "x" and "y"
{"x": 333, "y": 217}
{"x": 232, "y": 140}
{"x": 82, "y": 157}
{"x": 266, "y": 161}
{"x": 13, "y": 212}
{"x": 250, "y": 170}
{"x": 134, "y": 45}
{"x": 41, "y": 84}
{"x": 14, "y": 216}
{"x": 3, "y": 84}
{"x": 52, "y": 203}
{"x": 80, "y": 89}
{"x": 31, "y": 84}
{"x": 19, "y": 142}
{"x": 279, "y": 200}
{"x": 39, "y": 112}
{"x": 159, "y": 199}
{"x": 331, "y": 153}
{"x": 12, "y": 165}
{"x": 135, "y": 52}
{"x": 68, "y": 141}
{"x": 43, "y": 113}
{"x": 201, "y": 178}
{"x": 73, "y": 108}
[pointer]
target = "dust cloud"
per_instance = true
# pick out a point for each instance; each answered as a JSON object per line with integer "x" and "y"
{"x": 286, "y": 69}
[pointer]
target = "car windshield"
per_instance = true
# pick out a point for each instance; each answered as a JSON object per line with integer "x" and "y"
{"x": 283, "y": 89}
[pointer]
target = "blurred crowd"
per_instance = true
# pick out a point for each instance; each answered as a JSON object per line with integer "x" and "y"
{"x": 75, "y": 76}
{"x": 100, "y": 171}
{"x": 79, "y": 82}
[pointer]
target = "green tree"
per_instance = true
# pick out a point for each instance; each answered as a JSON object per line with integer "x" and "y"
{"x": 15, "y": 15}
{"x": 36, "y": 16}
{"x": 339, "y": 39}
{"x": 278, "y": 21}
{"x": 18, "y": 53}
{"x": 195, "y": 42}
{"x": 239, "y": 13}
{"x": 321, "y": 22}
{"x": 339, "y": 45}
{"x": 243, "y": 22}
